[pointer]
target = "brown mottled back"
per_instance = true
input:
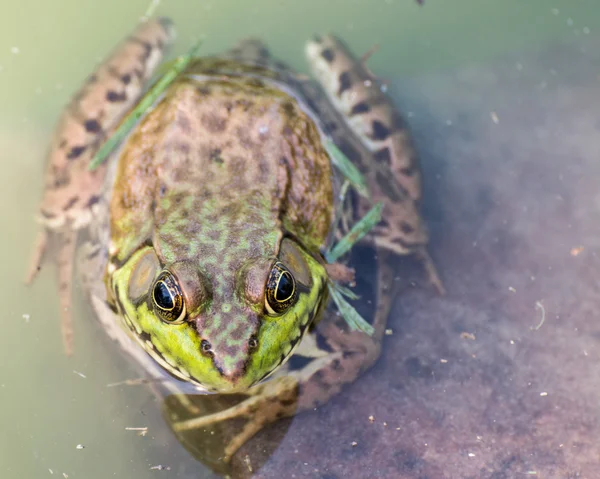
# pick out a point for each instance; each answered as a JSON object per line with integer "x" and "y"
{"x": 252, "y": 137}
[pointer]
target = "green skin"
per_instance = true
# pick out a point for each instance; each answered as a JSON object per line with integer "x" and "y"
{"x": 216, "y": 219}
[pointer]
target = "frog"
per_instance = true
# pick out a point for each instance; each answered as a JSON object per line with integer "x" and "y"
{"x": 200, "y": 242}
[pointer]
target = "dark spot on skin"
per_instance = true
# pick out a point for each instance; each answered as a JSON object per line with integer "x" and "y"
{"x": 406, "y": 228}
{"x": 93, "y": 200}
{"x": 215, "y": 155}
{"x": 288, "y": 108}
{"x": 92, "y": 79}
{"x": 253, "y": 343}
{"x": 380, "y": 131}
{"x": 92, "y": 126}
{"x": 75, "y": 152}
{"x": 63, "y": 143}
{"x": 328, "y": 55}
{"x": 336, "y": 365}
{"x": 126, "y": 78}
{"x": 47, "y": 214}
{"x": 145, "y": 45}
{"x": 331, "y": 126}
{"x": 383, "y": 156}
{"x": 345, "y": 83}
{"x": 203, "y": 90}
{"x": 115, "y": 97}
{"x": 386, "y": 185}
{"x": 70, "y": 203}
{"x": 362, "y": 107}
{"x": 162, "y": 190}
{"x": 213, "y": 123}
{"x": 384, "y": 223}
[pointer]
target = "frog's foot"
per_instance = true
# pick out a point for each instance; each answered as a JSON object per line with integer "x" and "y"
{"x": 265, "y": 404}
{"x": 431, "y": 270}
{"x": 37, "y": 257}
{"x": 401, "y": 232}
{"x": 340, "y": 273}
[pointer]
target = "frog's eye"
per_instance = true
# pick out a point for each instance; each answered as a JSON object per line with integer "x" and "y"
{"x": 281, "y": 290}
{"x": 167, "y": 298}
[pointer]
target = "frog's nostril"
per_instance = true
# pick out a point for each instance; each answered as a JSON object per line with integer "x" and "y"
{"x": 206, "y": 347}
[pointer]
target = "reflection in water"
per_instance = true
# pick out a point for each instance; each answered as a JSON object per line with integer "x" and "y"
{"x": 209, "y": 443}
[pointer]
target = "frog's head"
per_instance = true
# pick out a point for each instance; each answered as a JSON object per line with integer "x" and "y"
{"x": 224, "y": 331}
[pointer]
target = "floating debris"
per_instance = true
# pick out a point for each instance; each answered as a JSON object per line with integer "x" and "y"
{"x": 540, "y": 306}
{"x": 141, "y": 431}
{"x": 576, "y": 251}
{"x": 160, "y": 467}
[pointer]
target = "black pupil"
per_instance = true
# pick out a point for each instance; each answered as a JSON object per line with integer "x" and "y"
{"x": 162, "y": 296}
{"x": 285, "y": 287}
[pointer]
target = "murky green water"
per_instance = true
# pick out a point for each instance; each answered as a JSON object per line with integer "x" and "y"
{"x": 49, "y": 404}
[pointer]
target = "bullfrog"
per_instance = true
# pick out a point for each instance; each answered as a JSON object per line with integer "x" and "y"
{"x": 200, "y": 241}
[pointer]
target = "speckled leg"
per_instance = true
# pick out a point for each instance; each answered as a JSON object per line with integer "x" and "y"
{"x": 72, "y": 192}
{"x": 377, "y": 139}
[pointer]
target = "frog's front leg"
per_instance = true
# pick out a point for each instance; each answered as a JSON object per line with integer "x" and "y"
{"x": 72, "y": 192}
{"x": 334, "y": 356}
